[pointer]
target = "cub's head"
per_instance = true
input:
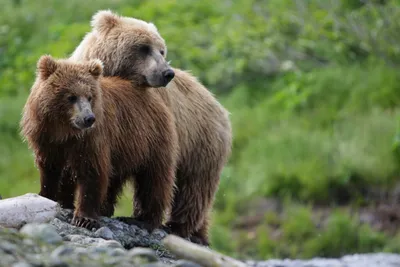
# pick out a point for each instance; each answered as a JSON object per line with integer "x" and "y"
{"x": 128, "y": 47}
{"x": 69, "y": 93}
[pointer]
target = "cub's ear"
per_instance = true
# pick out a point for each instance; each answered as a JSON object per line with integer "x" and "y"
{"x": 95, "y": 67}
{"x": 104, "y": 20}
{"x": 46, "y": 66}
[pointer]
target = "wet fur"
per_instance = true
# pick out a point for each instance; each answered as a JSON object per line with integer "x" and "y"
{"x": 202, "y": 123}
{"x": 133, "y": 139}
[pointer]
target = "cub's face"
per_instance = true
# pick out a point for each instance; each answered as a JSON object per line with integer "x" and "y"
{"x": 129, "y": 48}
{"x": 69, "y": 92}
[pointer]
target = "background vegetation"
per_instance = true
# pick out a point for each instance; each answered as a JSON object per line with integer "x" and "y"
{"x": 313, "y": 90}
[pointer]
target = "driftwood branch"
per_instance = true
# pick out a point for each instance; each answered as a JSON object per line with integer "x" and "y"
{"x": 186, "y": 250}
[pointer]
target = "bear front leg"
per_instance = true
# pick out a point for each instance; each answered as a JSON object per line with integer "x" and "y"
{"x": 66, "y": 190}
{"x": 115, "y": 186}
{"x": 154, "y": 188}
{"x": 92, "y": 183}
{"x": 50, "y": 168}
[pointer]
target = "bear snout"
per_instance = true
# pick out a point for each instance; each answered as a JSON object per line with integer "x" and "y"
{"x": 169, "y": 74}
{"x": 89, "y": 120}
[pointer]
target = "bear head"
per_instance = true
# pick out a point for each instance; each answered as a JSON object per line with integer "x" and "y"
{"x": 129, "y": 48}
{"x": 68, "y": 94}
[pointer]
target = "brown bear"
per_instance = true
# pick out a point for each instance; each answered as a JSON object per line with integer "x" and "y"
{"x": 104, "y": 131}
{"x": 133, "y": 49}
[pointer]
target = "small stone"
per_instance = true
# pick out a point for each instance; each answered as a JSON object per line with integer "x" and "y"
{"x": 105, "y": 232}
{"x": 160, "y": 234}
{"x": 117, "y": 252}
{"x": 81, "y": 252}
{"x": 143, "y": 254}
{"x": 85, "y": 241}
{"x": 58, "y": 263}
{"x": 155, "y": 264}
{"x": 98, "y": 250}
{"x": 75, "y": 238}
{"x": 110, "y": 244}
{"x": 8, "y": 247}
{"x": 61, "y": 251}
{"x": 44, "y": 232}
{"x": 21, "y": 264}
{"x": 185, "y": 263}
{"x": 28, "y": 242}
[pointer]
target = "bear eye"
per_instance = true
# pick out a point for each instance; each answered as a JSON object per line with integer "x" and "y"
{"x": 144, "y": 49}
{"x": 162, "y": 52}
{"x": 72, "y": 98}
{"x": 90, "y": 99}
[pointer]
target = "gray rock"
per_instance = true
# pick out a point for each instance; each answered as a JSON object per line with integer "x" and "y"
{"x": 116, "y": 252}
{"x": 105, "y": 232}
{"x": 129, "y": 236}
{"x": 22, "y": 264}
{"x": 61, "y": 251}
{"x": 143, "y": 255}
{"x": 109, "y": 244}
{"x": 185, "y": 263}
{"x": 119, "y": 244}
{"x": 356, "y": 260}
{"x": 42, "y": 231}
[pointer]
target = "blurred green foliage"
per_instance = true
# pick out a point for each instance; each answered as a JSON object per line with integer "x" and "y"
{"x": 312, "y": 87}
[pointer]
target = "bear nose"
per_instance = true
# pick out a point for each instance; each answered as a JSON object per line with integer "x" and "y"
{"x": 169, "y": 74}
{"x": 89, "y": 120}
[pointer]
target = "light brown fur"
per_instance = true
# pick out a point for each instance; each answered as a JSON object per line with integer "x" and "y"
{"x": 203, "y": 125}
{"x": 133, "y": 136}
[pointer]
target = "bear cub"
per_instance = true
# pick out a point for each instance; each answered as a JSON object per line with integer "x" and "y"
{"x": 104, "y": 133}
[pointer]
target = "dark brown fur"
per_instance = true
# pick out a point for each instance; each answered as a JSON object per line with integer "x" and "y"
{"x": 133, "y": 136}
{"x": 203, "y": 125}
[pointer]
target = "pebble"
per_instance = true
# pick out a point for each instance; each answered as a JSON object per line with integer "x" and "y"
{"x": 22, "y": 264}
{"x": 62, "y": 251}
{"x": 143, "y": 253}
{"x": 110, "y": 244}
{"x": 116, "y": 252}
{"x": 185, "y": 263}
{"x": 105, "y": 232}
{"x": 44, "y": 232}
{"x": 98, "y": 250}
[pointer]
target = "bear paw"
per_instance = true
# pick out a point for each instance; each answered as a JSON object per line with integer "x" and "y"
{"x": 85, "y": 222}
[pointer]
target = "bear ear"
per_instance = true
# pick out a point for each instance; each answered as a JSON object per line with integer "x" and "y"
{"x": 95, "y": 67}
{"x": 46, "y": 66}
{"x": 104, "y": 20}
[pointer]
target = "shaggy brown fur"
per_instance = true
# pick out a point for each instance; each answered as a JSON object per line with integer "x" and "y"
{"x": 133, "y": 135}
{"x": 134, "y": 49}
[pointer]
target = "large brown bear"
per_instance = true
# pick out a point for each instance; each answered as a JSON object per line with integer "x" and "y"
{"x": 104, "y": 131}
{"x": 133, "y": 49}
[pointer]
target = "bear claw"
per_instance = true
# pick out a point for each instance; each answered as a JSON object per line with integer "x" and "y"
{"x": 85, "y": 222}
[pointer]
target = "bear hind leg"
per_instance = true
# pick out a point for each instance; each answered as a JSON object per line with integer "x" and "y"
{"x": 192, "y": 203}
{"x": 154, "y": 188}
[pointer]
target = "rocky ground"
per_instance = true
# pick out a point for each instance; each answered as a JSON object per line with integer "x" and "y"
{"x": 57, "y": 243}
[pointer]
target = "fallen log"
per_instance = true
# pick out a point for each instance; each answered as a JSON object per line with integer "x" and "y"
{"x": 186, "y": 250}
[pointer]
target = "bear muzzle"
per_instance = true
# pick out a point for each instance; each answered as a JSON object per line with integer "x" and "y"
{"x": 169, "y": 74}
